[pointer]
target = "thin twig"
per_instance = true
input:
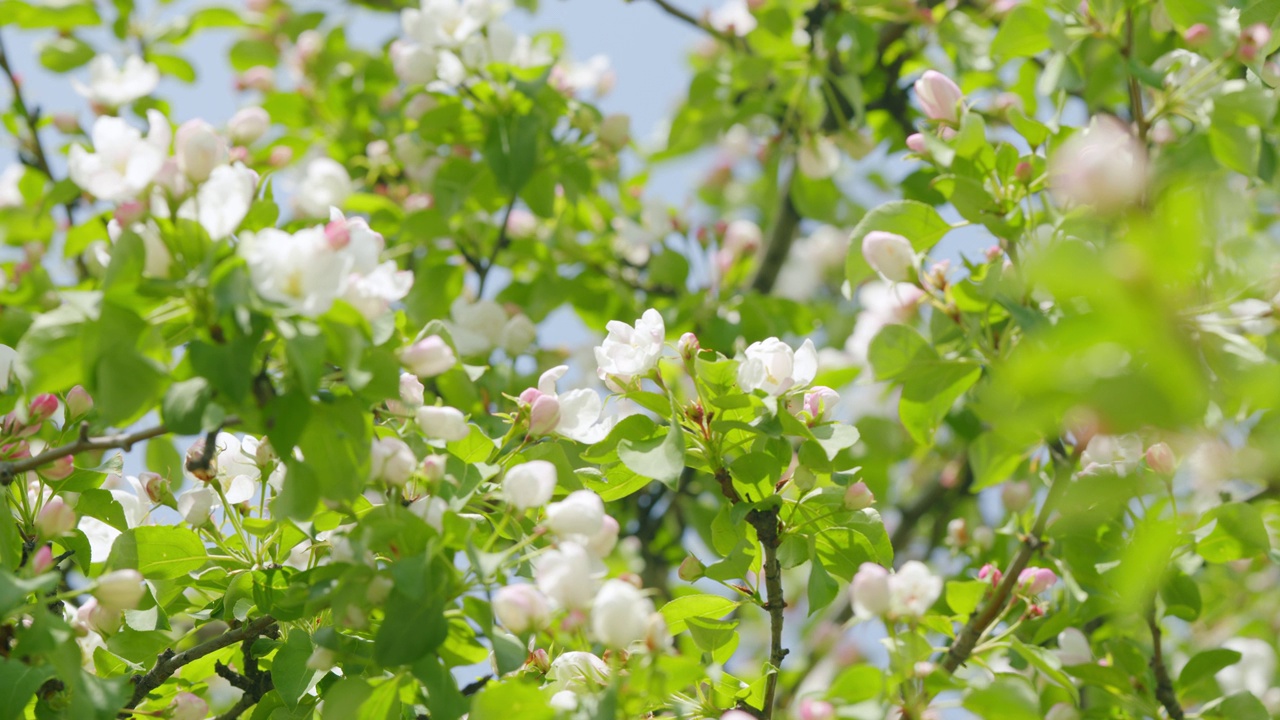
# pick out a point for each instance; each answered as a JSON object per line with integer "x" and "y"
{"x": 498, "y": 246}
{"x": 980, "y": 621}
{"x": 83, "y": 443}
{"x": 32, "y": 120}
{"x": 1135, "y": 90}
{"x": 170, "y": 662}
{"x": 1164, "y": 685}
{"x": 684, "y": 17}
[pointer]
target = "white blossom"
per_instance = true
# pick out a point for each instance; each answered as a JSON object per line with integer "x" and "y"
{"x": 521, "y": 608}
{"x": 529, "y": 484}
{"x": 772, "y": 366}
{"x": 913, "y": 589}
{"x": 630, "y": 352}
{"x": 733, "y": 17}
{"x": 122, "y": 163}
{"x": 620, "y": 614}
{"x": 566, "y": 574}
{"x": 325, "y": 184}
{"x": 10, "y": 192}
{"x": 223, "y": 200}
{"x": 112, "y": 85}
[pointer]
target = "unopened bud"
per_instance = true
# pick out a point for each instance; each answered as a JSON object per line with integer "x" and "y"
{"x": 280, "y": 156}
{"x": 156, "y": 485}
{"x": 992, "y": 573}
{"x": 259, "y": 77}
{"x": 858, "y": 497}
{"x": 129, "y": 212}
{"x": 691, "y": 568}
{"x": 890, "y": 254}
{"x": 55, "y": 519}
{"x": 916, "y": 144}
{"x": 59, "y": 469}
{"x": 337, "y": 234}
{"x": 42, "y": 560}
{"x": 1197, "y": 34}
{"x": 1016, "y": 495}
{"x": 1023, "y": 172}
{"x": 66, "y": 123}
{"x": 1160, "y": 459}
{"x": 433, "y": 467}
{"x": 120, "y": 590}
{"x": 188, "y": 706}
{"x": 539, "y": 660}
{"x": 957, "y": 532}
{"x": 688, "y": 346}
{"x": 1034, "y": 580}
{"x": 42, "y": 408}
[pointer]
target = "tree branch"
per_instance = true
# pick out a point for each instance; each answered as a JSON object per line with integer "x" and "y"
{"x": 498, "y": 246}
{"x": 84, "y": 443}
{"x": 767, "y": 529}
{"x": 1164, "y": 685}
{"x": 1135, "y": 89}
{"x": 170, "y": 662}
{"x": 980, "y": 621}
{"x": 32, "y": 120}
{"x": 688, "y": 19}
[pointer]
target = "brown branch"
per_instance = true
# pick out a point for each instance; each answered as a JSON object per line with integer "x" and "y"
{"x": 498, "y": 246}
{"x": 32, "y": 120}
{"x": 1164, "y": 685}
{"x": 170, "y": 662}
{"x": 1135, "y": 90}
{"x": 980, "y": 621}
{"x": 253, "y": 681}
{"x": 84, "y": 443}
{"x": 767, "y": 529}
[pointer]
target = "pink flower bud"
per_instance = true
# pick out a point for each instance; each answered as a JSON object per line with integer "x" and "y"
{"x": 939, "y": 96}
{"x": 42, "y": 408}
{"x": 59, "y": 469}
{"x": 259, "y": 77}
{"x": 819, "y": 401}
{"x": 521, "y": 608}
{"x": 858, "y": 497}
{"x": 816, "y": 710}
{"x": 869, "y": 590}
{"x": 280, "y": 156}
{"x": 42, "y": 560}
{"x": 1197, "y": 34}
{"x": 129, "y": 212}
{"x": 188, "y": 706}
{"x": 66, "y": 123}
{"x": 890, "y": 255}
{"x": 916, "y": 144}
{"x": 539, "y": 660}
{"x": 337, "y": 234}
{"x": 544, "y": 414}
{"x": 1023, "y": 172}
{"x": 92, "y": 617}
{"x": 55, "y": 519}
{"x": 1160, "y": 459}
{"x": 120, "y": 590}
{"x": 1034, "y": 580}
{"x": 691, "y": 568}
{"x": 688, "y": 346}
{"x": 411, "y": 390}
{"x": 428, "y": 357}
{"x": 248, "y": 124}
{"x": 992, "y": 573}
{"x": 433, "y": 467}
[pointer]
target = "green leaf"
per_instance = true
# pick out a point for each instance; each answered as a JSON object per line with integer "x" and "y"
{"x": 289, "y": 671}
{"x": 1206, "y": 664}
{"x": 510, "y": 699}
{"x": 184, "y": 405}
{"x": 18, "y": 683}
{"x": 843, "y": 550}
{"x": 1237, "y": 532}
{"x": 993, "y": 459}
{"x": 857, "y": 684}
{"x": 1242, "y": 706}
{"x": 419, "y": 626}
{"x": 383, "y": 703}
{"x": 661, "y": 459}
{"x": 678, "y": 611}
{"x": 335, "y": 444}
{"x": 929, "y": 391}
{"x": 896, "y": 350}
{"x": 919, "y": 223}
{"x": 1048, "y": 664}
{"x": 65, "y": 53}
{"x": 126, "y": 386}
{"x": 1023, "y": 32}
{"x": 511, "y": 149}
{"x": 443, "y": 698}
{"x": 1185, "y": 13}
{"x": 159, "y": 552}
{"x": 1181, "y": 596}
{"x": 822, "y": 587}
{"x": 1007, "y": 698}
{"x": 963, "y": 596}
